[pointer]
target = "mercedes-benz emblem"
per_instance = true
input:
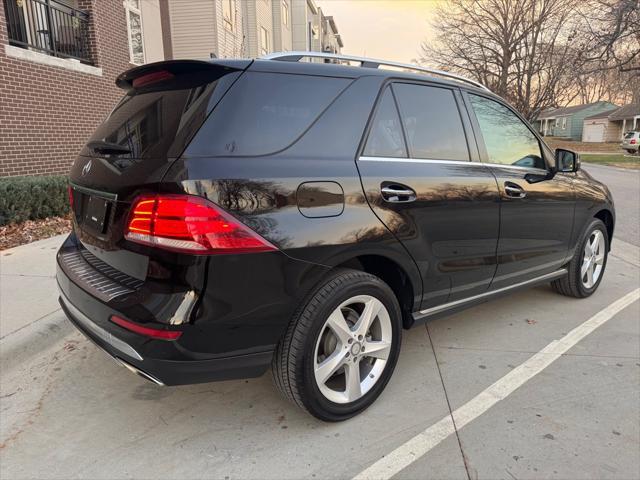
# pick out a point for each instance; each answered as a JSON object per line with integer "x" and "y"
{"x": 87, "y": 168}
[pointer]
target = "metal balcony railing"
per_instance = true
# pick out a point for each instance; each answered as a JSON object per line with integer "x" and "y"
{"x": 48, "y": 26}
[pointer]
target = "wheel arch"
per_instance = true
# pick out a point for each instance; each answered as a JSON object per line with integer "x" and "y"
{"x": 607, "y": 218}
{"x": 393, "y": 274}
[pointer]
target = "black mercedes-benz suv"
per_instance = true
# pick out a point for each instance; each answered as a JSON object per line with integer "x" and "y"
{"x": 235, "y": 215}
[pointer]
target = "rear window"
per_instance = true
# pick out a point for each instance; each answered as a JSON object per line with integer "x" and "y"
{"x": 156, "y": 124}
{"x": 630, "y": 135}
{"x": 431, "y": 122}
{"x": 264, "y": 113}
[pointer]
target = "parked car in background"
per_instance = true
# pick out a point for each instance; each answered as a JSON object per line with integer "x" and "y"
{"x": 631, "y": 141}
{"x": 229, "y": 216}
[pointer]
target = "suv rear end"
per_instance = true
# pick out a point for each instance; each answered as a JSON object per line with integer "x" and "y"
{"x": 143, "y": 302}
{"x": 200, "y": 221}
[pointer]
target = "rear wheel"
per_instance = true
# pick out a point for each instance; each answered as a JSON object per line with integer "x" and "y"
{"x": 341, "y": 347}
{"x": 586, "y": 269}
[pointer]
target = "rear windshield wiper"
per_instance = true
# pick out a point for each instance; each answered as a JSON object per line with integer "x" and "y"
{"x": 108, "y": 148}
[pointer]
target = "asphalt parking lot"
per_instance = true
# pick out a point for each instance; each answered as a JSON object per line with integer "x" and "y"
{"x": 540, "y": 386}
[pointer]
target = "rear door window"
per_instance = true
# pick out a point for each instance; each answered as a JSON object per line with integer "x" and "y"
{"x": 385, "y": 137}
{"x": 265, "y": 113}
{"x": 432, "y": 122}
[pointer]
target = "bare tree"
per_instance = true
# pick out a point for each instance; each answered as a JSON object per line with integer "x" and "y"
{"x": 611, "y": 33}
{"x": 606, "y": 84}
{"x": 610, "y": 40}
{"x": 520, "y": 49}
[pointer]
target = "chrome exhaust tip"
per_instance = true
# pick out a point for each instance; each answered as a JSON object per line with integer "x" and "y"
{"x": 137, "y": 371}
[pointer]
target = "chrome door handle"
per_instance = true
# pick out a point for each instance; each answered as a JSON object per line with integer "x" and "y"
{"x": 397, "y": 193}
{"x": 392, "y": 191}
{"x": 513, "y": 190}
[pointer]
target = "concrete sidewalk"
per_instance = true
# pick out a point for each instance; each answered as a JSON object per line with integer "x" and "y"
{"x": 30, "y": 315}
{"x": 27, "y": 284}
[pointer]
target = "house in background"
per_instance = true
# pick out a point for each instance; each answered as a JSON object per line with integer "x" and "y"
{"x": 282, "y": 27}
{"x": 203, "y": 29}
{"x": 306, "y": 26}
{"x": 597, "y": 128}
{"x": 628, "y": 117}
{"x": 331, "y": 39}
{"x": 568, "y": 122}
{"x": 610, "y": 126}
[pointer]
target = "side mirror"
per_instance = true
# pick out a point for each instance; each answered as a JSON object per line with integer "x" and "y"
{"x": 567, "y": 161}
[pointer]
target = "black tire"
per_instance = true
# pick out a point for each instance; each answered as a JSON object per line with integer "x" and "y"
{"x": 294, "y": 359}
{"x": 571, "y": 285}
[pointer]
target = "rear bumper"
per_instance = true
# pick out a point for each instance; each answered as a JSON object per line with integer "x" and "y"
{"x": 158, "y": 370}
{"x": 230, "y": 325}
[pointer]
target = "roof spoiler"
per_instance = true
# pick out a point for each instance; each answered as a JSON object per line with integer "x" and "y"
{"x": 161, "y": 72}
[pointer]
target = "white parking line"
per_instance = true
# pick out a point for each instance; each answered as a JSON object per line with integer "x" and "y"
{"x": 422, "y": 443}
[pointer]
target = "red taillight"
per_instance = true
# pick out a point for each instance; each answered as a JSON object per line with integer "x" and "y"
{"x": 151, "y": 78}
{"x": 146, "y": 331}
{"x": 185, "y": 223}
{"x": 633, "y": 141}
{"x": 70, "y": 191}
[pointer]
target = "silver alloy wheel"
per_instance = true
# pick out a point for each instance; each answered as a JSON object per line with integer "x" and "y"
{"x": 352, "y": 349}
{"x": 592, "y": 259}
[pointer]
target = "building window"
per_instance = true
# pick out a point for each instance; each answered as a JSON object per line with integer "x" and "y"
{"x": 285, "y": 13}
{"x": 52, "y": 28}
{"x": 229, "y": 14}
{"x": 264, "y": 41}
{"x": 556, "y": 123}
{"x": 134, "y": 29}
{"x": 564, "y": 123}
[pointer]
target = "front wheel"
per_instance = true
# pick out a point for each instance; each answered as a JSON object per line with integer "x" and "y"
{"x": 586, "y": 269}
{"x": 341, "y": 347}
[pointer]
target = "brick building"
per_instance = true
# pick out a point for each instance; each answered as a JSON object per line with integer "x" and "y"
{"x": 58, "y": 64}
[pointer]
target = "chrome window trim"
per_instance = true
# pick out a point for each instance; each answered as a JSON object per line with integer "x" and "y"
{"x": 447, "y": 306}
{"x": 365, "y": 158}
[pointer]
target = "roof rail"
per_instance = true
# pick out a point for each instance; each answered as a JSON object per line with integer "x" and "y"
{"x": 368, "y": 63}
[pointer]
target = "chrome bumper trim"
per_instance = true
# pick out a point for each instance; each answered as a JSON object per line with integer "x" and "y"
{"x": 99, "y": 332}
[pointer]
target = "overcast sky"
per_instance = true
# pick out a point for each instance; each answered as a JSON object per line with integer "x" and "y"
{"x": 385, "y": 29}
